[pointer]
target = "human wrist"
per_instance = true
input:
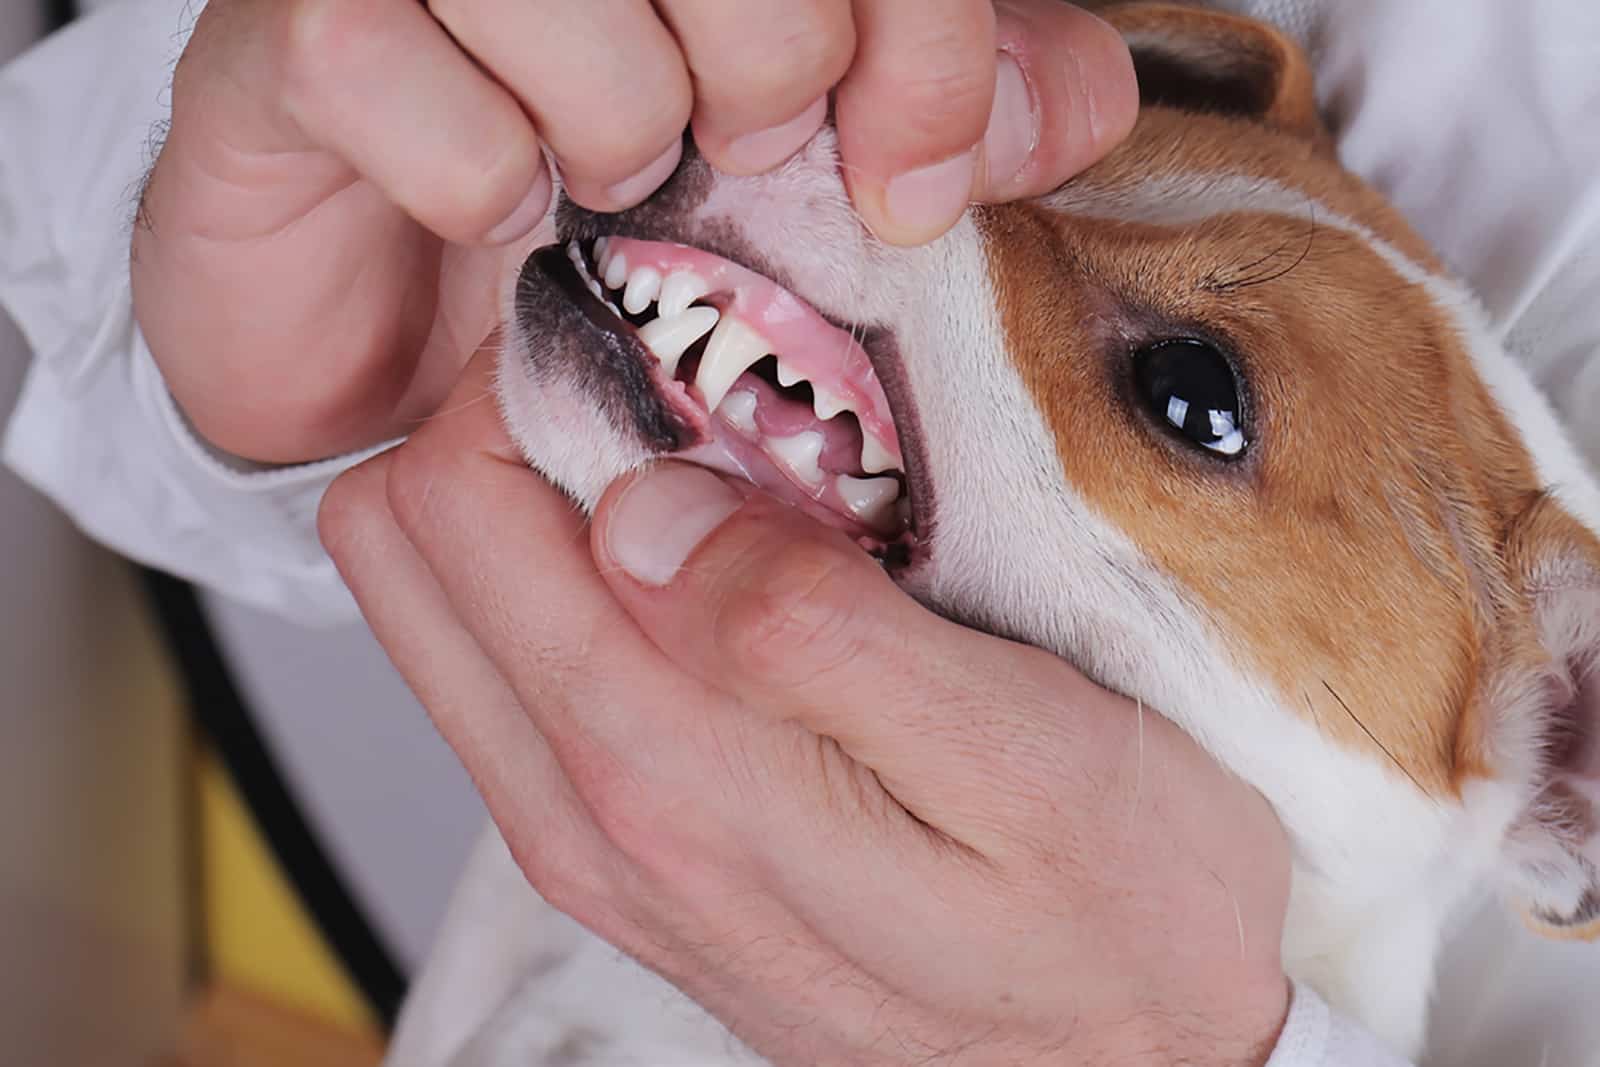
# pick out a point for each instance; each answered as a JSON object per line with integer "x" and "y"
{"x": 1240, "y": 1029}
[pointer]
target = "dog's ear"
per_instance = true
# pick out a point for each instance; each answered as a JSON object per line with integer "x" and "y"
{"x": 1208, "y": 61}
{"x": 1553, "y": 848}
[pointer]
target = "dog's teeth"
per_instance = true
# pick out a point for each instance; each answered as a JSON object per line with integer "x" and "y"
{"x": 601, "y": 244}
{"x": 681, "y": 289}
{"x": 739, "y": 409}
{"x": 617, "y": 271}
{"x": 871, "y": 500}
{"x": 731, "y": 352}
{"x": 602, "y": 256}
{"x": 800, "y": 454}
{"x": 787, "y": 375}
{"x": 670, "y": 337}
{"x": 875, "y": 459}
{"x": 825, "y": 404}
{"x": 575, "y": 254}
{"x": 644, "y": 285}
{"x": 599, "y": 293}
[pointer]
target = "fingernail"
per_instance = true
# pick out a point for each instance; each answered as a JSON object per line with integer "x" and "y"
{"x": 527, "y": 214}
{"x": 662, "y": 517}
{"x": 756, "y": 153}
{"x": 1013, "y": 126}
{"x": 922, "y": 201}
{"x": 630, "y": 191}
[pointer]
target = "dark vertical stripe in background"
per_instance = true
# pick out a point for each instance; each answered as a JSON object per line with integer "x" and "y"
{"x": 60, "y": 12}
{"x": 217, "y": 707}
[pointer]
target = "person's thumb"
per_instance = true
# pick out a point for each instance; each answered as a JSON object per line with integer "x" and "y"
{"x": 794, "y": 620}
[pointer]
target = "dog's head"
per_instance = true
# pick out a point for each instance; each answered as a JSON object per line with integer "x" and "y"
{"x": 1210, "y": 421}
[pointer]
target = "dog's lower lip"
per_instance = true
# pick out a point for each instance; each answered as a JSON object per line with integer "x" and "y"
{"x": 577, "y": 269}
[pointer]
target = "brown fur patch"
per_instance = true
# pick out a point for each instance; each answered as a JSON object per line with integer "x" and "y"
{"x": 1353, "y": 557}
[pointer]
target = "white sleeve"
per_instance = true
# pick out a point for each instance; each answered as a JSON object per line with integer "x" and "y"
{"x": 95, "y": 428}
{"x": 1313, "y": 1036}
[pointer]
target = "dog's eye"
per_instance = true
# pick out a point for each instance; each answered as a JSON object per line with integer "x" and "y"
{"x": 1190, "y": 387}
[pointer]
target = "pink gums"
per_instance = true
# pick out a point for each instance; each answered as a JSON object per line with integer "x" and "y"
{"x": 808, "y": 343}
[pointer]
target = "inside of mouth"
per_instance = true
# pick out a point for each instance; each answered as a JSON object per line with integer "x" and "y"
{"x": 786, "y": 400}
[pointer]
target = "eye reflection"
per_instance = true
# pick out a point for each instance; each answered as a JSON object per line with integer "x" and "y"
{"x": 1189, "y": 386}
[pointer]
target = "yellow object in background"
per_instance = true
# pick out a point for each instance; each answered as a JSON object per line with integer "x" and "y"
{"x": 258, "y": 935}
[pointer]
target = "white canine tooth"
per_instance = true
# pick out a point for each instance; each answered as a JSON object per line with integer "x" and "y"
{"x": 787, "y": 375}
{"x": 575, "y": 254}
{"x": 670, "y": 338}
{"x": 729, "y": 353}
{"x": 644, "y": 285}
{"x": 800, "y": 454}
{"x": 875, "y": 459}
{"x": 825, "y": 404}
{"x": 739, "y": 409}
{"x": 594, "y": 287}
{"x": 681, "y": 289}
{"x": 600, "y": 246}
{"x": 617, "y": 271}
{"x": 869, "y": 499}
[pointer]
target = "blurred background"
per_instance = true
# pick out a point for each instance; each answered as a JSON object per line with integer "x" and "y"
{"x": 223, "y": 839}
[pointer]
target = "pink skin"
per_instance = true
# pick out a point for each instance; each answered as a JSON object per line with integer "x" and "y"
{"x": 822, "y": 353}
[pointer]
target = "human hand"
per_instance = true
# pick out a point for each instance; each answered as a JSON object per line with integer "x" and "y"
{"x": 854, "y": 831}
{"x": 346, "y": 183}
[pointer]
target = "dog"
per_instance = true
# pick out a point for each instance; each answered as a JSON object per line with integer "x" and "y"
{"x": 1210, "y": 422}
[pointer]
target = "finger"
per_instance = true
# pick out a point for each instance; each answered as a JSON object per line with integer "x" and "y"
{"x": 912, "y": 110}
{"x": 379, "y": 84}
{"x": 630, "y": 730}
{"x": 533, "y": 804}
{"x": 604, "y": 82}
{"x": 762, "y": 71}
{"x": 1065, "y": 95}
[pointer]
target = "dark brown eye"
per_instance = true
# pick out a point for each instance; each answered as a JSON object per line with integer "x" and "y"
{"x": 1190, "y": 387}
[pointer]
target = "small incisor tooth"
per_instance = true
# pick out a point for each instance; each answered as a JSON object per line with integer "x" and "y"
{"x": 825, "y": 404}
{"x": 670, "y": 338}
{"x": 800, "y": 454}
{"x": 681, "y": 289}
{"x": 787, "y": 375}
{"x": 644, "y": 285}
{"x": 733, "y": 348}
{"x": 869, "y": 499}
{"x": 739, "y": 409}
{"x": 616, "y": 271}
{"x": 875, "y": 459}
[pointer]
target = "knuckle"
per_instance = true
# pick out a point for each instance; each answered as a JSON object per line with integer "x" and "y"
{"x": 484, "y": 184}
{"x": 623, "y": 811}
{"x": 319, "y": 37}
{"x": 796, "y": 622}
{"x": 952, "y": 101}
{"x": 611, "y": 152}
